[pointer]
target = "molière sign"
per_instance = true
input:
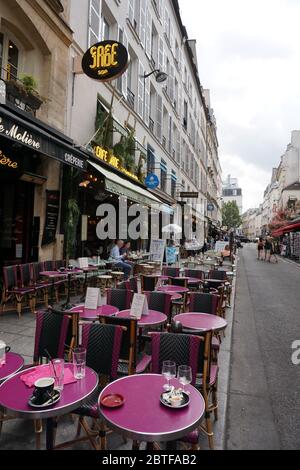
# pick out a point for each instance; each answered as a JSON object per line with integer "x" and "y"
{"x": 40, "y": 141}
{"x": 105, "y": 61}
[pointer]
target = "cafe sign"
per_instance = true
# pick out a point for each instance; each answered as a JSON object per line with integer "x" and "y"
{"x": 7, "y": 162}
{"x": 112, "y": 160}
{"x": 105, "y": 61}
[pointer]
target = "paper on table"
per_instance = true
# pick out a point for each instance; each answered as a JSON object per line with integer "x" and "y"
{"x": 139, "y": 306}
{"x": 83, "y": 263}
{"x": 30, "y": 377}
{"x": 93, "y": 298}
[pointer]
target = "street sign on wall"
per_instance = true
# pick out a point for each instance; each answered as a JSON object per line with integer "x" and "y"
{"x": 152, "y": 181}
{"x": 192, "y": 195}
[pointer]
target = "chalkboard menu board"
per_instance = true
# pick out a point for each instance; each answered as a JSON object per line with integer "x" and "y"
{"x": 52, "y": 211}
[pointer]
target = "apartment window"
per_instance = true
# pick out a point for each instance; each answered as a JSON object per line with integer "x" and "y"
{"x": 105, "y": 30}
{"x": 163, "y": 175}
{"x": 159, "y": 117}
{"x": 9, "y": 58}
{"x": 173, "y": 183}
{"x": 150, "y": 160}
{"x": 95, "y": 22}
{"x": 185, "y": 115}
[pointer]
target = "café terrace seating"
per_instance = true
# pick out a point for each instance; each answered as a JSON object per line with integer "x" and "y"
{"x": 121, "y": 347}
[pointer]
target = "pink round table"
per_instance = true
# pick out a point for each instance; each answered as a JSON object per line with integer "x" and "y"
{"x": 201, "y": 321}
{"x": 153, "y": 319}
{"x": 143, "y": 417}
{"x": 14, "y": 396}
{"x": 14, "y": 363}
{"x": 92, "y": 315}
{"x": 173, "y": 289}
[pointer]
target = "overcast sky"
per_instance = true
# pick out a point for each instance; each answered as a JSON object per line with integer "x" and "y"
{"x": 249, "y": 56}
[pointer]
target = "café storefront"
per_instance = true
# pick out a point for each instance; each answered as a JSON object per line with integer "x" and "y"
{"x": 107, "y": 182}
{"x": 32, "y": 156}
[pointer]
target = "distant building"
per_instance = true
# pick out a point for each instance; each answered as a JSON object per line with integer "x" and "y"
{"x": 232, "y": 192}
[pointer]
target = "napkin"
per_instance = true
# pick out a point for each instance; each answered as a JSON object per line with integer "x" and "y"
{"x": 40, "y": 372}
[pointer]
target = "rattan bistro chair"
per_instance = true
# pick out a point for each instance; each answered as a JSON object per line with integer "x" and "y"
{"x": 130, "y": 362}
{"x": 103, "y": 345}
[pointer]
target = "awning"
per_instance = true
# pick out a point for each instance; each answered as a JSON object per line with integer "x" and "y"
{"x": 24, "y": 129}
{"x": 287, "y": 229}
{"x": 122, "y": 187}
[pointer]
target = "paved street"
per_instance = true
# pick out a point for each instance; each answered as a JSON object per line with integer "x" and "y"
{"x": 264, "y": 387}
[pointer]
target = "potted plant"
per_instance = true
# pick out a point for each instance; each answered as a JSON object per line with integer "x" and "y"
{"x": 25, "y": 90}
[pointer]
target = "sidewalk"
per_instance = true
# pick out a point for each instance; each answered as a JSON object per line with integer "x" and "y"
{"x": 19, "y": 435}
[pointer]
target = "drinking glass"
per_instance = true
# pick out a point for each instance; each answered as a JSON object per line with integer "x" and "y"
{"x": 79, "y": 361}
{"x": 169, "y": 372}
{"x": 185, "y": 376}
{"x": 58, "y": 366}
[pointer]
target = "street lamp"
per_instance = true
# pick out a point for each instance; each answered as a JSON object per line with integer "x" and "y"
{"x": 160, "y": 76}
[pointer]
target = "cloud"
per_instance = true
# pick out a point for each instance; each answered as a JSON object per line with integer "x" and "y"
{"x": 249, "y": 57}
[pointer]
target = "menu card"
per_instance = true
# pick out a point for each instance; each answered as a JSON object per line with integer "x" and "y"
{"x": 139, "y": 306}
{"x": 93, "y": 298}
{"x": 83, "y": 263}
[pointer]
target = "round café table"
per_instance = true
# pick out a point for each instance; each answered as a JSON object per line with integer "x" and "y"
{"x": 173, "y": 289}
{"x": 153, "y": 319}
{"x": 14, "y": 363}
{"x": 53, "y": 275}
{"x": 143, "y": 417}
{"x": 201, "y": 321}
{"x": 14, "y": 396}
{"x": 93, "y": 315}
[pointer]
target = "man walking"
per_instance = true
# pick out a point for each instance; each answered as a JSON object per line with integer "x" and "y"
{"x": 119, "y": 259}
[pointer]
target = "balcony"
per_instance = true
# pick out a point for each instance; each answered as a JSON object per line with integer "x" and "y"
{"x": 130, "y": 98}
{"x": 21, "y": 93}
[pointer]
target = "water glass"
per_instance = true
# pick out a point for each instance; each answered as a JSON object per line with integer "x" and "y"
{"x": 169, "y": 372}
{"x": 79, "y": 361}
{"x": 58, "y": 366}
{"x": 3, "y": 350}
{"x": 185, "y": 376}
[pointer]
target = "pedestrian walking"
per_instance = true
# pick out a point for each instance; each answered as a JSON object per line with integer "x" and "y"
{"x": 268, "y": 247}
{"x": 273, "y": 251}
{"x": 260, "y": 249}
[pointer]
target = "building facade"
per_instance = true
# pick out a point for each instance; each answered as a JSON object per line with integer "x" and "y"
{"x": 168, "y": 121}
{"x": 232, "y": 192}
{"x": 35, "y": 41}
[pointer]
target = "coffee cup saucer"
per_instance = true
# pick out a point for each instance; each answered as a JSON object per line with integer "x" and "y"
{"x": 55, "y": 397}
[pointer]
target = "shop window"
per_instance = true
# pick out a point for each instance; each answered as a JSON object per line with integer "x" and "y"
{"x": 9, "y": 58}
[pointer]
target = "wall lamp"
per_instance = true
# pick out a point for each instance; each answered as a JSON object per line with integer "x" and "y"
{"x": 160, "y": 76}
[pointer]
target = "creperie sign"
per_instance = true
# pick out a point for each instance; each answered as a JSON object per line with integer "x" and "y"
{"x": 7, "y": 162}
{"x": 106, "y": 157}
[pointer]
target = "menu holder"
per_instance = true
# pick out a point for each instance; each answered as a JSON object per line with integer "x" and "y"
{"x": 139, "y": 307}
{"x": 83, "y": 263}
{"x": 93, "y": 298}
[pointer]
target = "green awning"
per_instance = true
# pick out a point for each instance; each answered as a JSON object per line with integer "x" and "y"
{"x": 122, "y": 187}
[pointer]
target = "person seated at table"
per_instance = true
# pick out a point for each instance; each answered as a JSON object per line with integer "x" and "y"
{"x": 226, "y": 252}
{"x": 119, "y": 259}
{"x": 126, "y": 248}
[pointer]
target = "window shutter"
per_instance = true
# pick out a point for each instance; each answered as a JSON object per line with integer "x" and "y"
{"x": 159, "y": 118}
{"x": 148, "y": 32}
{"x": 161, "y": 54}
{"x": 125, "y": 75}
{"x": 160, "y": 9}
{"x": 147, "y": 101}
{"x": 166, "y": 23}
{"x": 141, "y": 83}
{"x": 131, "y": 11}
{"x": 172, "y": 38}
{"x": 178, "y": 147}
{"x": 143, "y": 22}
